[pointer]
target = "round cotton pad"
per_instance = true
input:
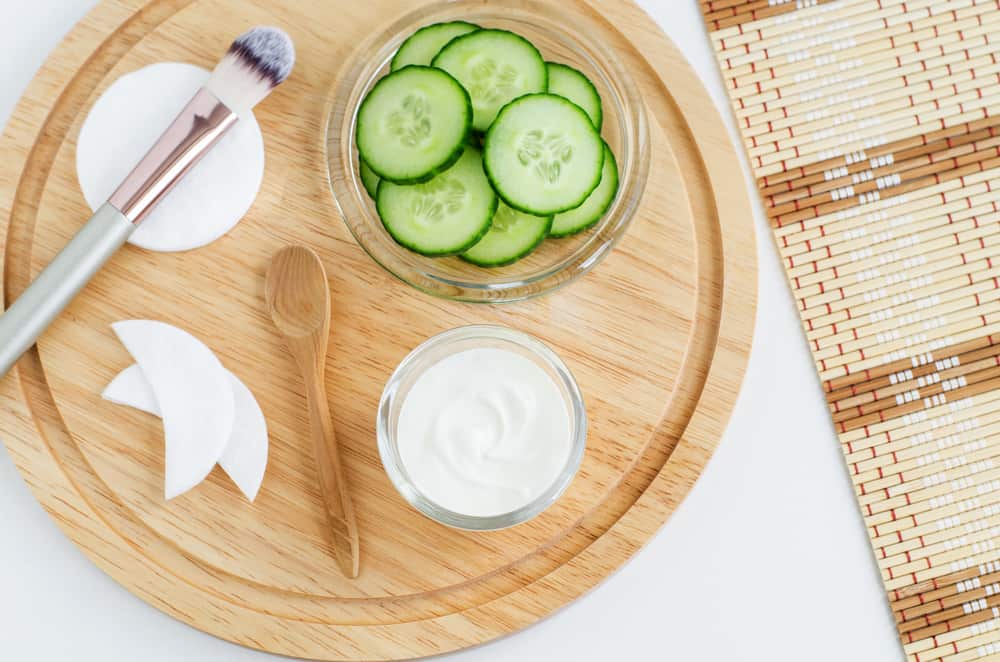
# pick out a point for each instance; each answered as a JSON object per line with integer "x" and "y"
{"x": 124, "y": 124}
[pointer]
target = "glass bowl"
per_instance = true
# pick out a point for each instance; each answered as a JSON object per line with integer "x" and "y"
{"x": 452, "y": 342}
{"x": 562, "y": 35}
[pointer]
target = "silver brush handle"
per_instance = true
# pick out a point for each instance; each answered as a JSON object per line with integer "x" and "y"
{"x": 60, "y": 282}
{"x": 198, "y": 127}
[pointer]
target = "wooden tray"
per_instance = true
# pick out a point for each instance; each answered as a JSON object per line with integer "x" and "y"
{"x": 657, "y": 336}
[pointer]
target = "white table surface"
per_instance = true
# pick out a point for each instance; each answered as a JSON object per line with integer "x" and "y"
{"x": 766, "y": 559}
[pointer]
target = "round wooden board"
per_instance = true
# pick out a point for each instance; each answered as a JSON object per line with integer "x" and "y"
{"x": 657, "y": 335}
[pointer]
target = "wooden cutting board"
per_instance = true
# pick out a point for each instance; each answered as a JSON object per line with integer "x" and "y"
{"x": 657, "y": 335}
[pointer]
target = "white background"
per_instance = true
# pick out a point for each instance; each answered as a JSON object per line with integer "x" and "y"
{"x": 766, "y": 559}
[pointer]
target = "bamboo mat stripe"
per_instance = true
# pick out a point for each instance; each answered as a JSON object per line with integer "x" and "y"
{"x": 873, "y": 129}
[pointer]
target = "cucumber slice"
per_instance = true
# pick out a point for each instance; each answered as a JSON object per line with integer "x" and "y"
{"x": 444, "y": 216}
{"x": 421, "y": 46}
{"x": 513, "y": 235}
{"x": 591, "y": 211}
{"x": 368, "y": 179}
{"x": 496, "y": 67}
{"x": 413, "y": 124}
{"x": 542, "y": 155}
{"x": 569, "y": 83}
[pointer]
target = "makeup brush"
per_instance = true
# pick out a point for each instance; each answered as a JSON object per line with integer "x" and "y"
{"x": 257, "y": 62}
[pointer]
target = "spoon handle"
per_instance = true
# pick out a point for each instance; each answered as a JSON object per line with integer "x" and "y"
{"x": 331, "y": 474}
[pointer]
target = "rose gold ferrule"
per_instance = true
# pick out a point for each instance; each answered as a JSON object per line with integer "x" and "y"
{"x": 197, "y": 128}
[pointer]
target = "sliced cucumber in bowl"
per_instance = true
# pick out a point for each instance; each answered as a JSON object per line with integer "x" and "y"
{"x": 512, "y": 235}
{"x": 486, "y": 152}
{"x": 413, "y": 124}
{"x": 496, "y": 67}
{"x": 570, "y": 84}
{"x": 543, "y": 155}
{"x": 596, "y": 206}
{"x": 447, "y": 215}
{"x": 421, "y": 46}
{"x": 368, "y": 179}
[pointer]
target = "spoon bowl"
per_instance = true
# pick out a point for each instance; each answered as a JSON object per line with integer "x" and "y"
{"x": 297, "y": 293}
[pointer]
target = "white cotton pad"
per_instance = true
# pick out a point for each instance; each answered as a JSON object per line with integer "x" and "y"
{"x": 131, "y": 389}
{"x": 125, "y": 122}
{"x": 245, "y": 456}
{"x": 193, "y": 393}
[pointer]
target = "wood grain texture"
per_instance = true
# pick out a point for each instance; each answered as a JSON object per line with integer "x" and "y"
{"x": 657, "y": 337}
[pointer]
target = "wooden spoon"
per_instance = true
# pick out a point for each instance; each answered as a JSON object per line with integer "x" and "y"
{"x": 298, "y": 298}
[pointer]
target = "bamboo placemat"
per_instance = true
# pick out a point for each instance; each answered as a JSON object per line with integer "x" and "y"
{"x": 873, "y": 129}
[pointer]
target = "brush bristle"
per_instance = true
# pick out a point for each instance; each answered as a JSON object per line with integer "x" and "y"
{"x": 257, "y": 62}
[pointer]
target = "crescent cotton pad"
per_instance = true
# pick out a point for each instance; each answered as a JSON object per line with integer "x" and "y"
{"x": 193, "y": 393}
{"x": 244, "y": 457}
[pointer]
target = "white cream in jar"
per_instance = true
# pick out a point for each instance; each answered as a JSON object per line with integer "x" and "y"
{"x": 484, "y": 432}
